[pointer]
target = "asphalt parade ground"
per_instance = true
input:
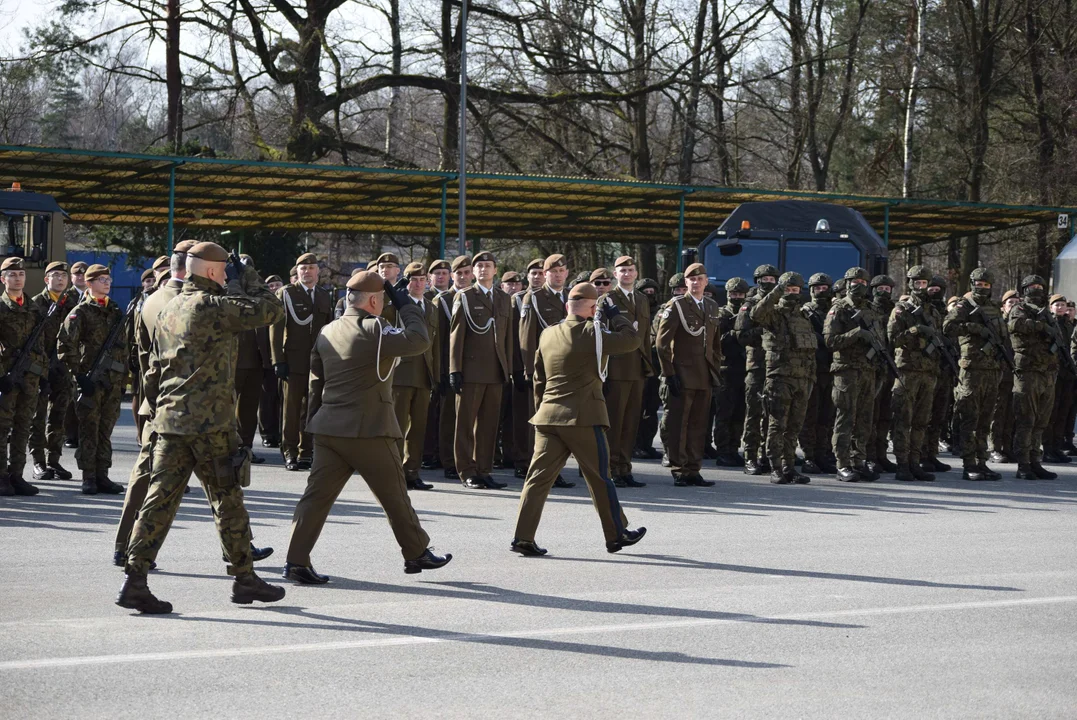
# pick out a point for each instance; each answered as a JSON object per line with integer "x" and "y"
{"x": 911, "y": 600}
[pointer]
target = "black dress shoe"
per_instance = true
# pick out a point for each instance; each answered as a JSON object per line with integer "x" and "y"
{"x": 305, "y": 463}
{"x": 560, "y": 482}
{"x": 426, "y": 561}
{"x": 258, "y": 554}
{"x": 291, "y": 464}
{"x": 270, "y": 443}
{"x": 69, "y": 443}
{"x": 527, "y": 548}
{"x": 451, "y": 474}
{"x": 475, "y": 483}
{"x": 304, "y": 574}
{"x": 248, "y": 588}
{"x": 632, "y": 482}
{"x": 136, "y": 595}
{"x": 497, "y": 484}
{"x": 257, "y": 459}
{"x": 431, "y": 465}
{"x": 697, "y": 480}
{"x": 43, "y": 472}
{"x": 628, "y": 537}
{"x": 418, "y": 484}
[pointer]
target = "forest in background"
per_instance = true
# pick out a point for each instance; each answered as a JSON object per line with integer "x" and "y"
{"x": 948, "y": 99}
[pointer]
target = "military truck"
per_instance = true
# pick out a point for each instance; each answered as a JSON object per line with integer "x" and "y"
{"x": 33, "y": 229}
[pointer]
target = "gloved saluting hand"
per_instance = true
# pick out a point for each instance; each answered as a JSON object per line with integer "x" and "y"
{"x": 281, "y": 370}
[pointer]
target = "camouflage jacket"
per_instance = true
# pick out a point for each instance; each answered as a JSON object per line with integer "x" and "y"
{"x": 788, "y": 338}
{"x": 733, "y": 356}
{"x": 815, "y": 311}
{"x": 1034, "y": 333}
{"x": 84, "y": 332}
{"x": 977, "y": 351}
{"x": 16, "y": 324}
{"x": 915, "y": 331}
{"x": 192, "y": 363}
{"x": 841, "y": 331}
{"x": 65, "y": 303}
{"x": 750, "y": 335}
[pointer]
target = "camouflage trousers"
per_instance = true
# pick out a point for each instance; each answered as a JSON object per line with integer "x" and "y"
{"x": 974, "y": 404}
{"x": 815, "y": 435}
{"x": 17, "y": 410}
{"x": 854, "y": 403}
{"x": 47, "y": 432}
{"x": 174, "y": 458}
{"x": 940, "y": 412}
{"x": 1061, "y": 426}
{"x": 94, "y": 453}
{"x": 786, "y": 402}
{"x": 911, "y": 401}
{"x": 755, "y": 416}
{"x": 1002, "y": 420}
{"x": 729, "y": 413}
{"x": 1033, "y": 402}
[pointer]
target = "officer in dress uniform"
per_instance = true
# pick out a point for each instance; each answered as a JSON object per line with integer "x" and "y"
{"x": 269, "y": 404}
{"x": 440, "y": 279}
{"x": 462, "y": 277}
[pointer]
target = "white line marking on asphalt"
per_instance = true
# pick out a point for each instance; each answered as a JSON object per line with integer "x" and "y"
{"x": 39, "y": 663}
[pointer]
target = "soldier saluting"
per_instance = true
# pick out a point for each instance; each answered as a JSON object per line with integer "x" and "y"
{"x": 570, "y": 366}
{"x": 191, "y": 386}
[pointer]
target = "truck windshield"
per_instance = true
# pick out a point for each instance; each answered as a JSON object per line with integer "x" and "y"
{"x": 832, "y": 257}
{"x": 753, "y": 254}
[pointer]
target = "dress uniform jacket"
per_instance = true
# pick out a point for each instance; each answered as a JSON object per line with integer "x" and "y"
{"x": 539, "y": 310}
{"x": 290, "y": 340}
{"x": 483, "y": 357}
{"x": 627, "y": 372}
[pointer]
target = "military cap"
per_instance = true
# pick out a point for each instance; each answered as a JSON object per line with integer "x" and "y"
{"x": 372, "y": 265}
{"x": 695, "y": 269}
{"x": 624, "y": 260}
{"x": 981, "y": 274}
{"x": 857, "y": 273}
{"x": 600, "y": 274}
{"x": 555, "y": 260}
{"x": 12, "y": 263}
{"x": 461, "y": 261}
{"x": 1071, "y": 304}
{"x": 210, "y": 252}
{"x": 537, "y": 263}
{"x": 160, "y": 263}
{"x": 676, "y": 280}
{"x": 54, "y": 266}
{"x": 511, "y": 276}
{"x": 937, "y": 281}
{"x": 96, "y": 271}
{"x": 882, "y": 280}
{"x": 307, "y": 259}
{"x": 484, "y": 256}
{"x": 839, "y": 285}
{"x": 79, "y": 267}
{"x": 820, "y": 279}
{"x": 293, "y": 272}
{"x": 764, "y": 270}
{"x": 388, "y": 258}
{"x": 790, "y": 279}
{"x": 1057, "y": 297}
{"x": 582, "y": 276}
{"x": 440, "y": 264}
{"x": 736, "y": 284}
{"x": 1032, "y": 280}
{"x": 183, "y": 247}
{"x": 918, "y": 272}
{"x": 583, "y": 291}
{"x": 647, "y": 283}
{"x": 414, "y": 269}
{"x": 366, "y": 281}
{"x": 273, "y": 279}
{"x": 147, "y": 275}
{"x": 1009, "y": 294}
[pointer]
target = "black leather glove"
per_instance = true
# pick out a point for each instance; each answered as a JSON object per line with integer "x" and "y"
{"x": 456, "y": 382}
{"x": 398, "y": 295}
{"x": 6, "y": 385}
{"x": 926, "y": 330}
{"x": 865, "y": 335}
{"x": 610, "y": 309}
{"x": 43, "y": 387}
{"x": 674, "y": 385}
{"x": 281, "y": 370}
{"x": 85, "y": 384}
{"x": 230, "y": 273}
{"x": 519, "y": 381}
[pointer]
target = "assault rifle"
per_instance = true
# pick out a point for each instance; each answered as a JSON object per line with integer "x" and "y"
{"x": 16, "y": 374}
{"x": 993, "y": 337}
{"x": 878, "y": 349}
{"x": 938, "y": 341}
{"x": 98, "y": 377}
{"x": 1059, "y": 345}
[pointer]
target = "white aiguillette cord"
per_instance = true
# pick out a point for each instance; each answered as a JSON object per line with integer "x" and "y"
{"x": 377, "y": 358}
{"x": 534, "y": 305}
{"x": 291, "y": 311}
{"x": 694, "y": 333}
{"x": 462, "y": 298}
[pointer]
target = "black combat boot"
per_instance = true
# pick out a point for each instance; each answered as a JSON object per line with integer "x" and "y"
{"x": 6, "y": 490}
{"x": 105, "y": 485}
{"x": 867, "y": 474}
{"x": 1025, "y": 472}
{"x": 798, "y": 477}
{"x": 996, "y": 457}
{"x": 988, "y": 472}
{"x": 827, "y": 465}
{"x": 89, "y": 483}
{"x": 751, "y": 467}
{"x": 729, "y": 460}
{"x": 43, "y": 472}
{"x": 972, "y": 471}
{"x": 764, "y": 465}
{"x": 1051, "y": 455}
{"x": 249, "y": 587}
{"x": 1041, "y": 472}
{"x": 58, "y": 470}
{"x": 782, "y": 477}
{"x": 136, "y": 595}
{"x": 904, "y": 472}
{"x": 810, "y": 467}
{"x": 848, "y": 473}
{"x": 883, "y": 464}
{"x": 918, "y": 473}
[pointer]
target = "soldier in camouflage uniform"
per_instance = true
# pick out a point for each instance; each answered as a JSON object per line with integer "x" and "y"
{"x": 975, "y": 321}
{"x": 1054, "y": 437}
{"x": 47, "y": 433}
{"x": 914, "y": 330}
{"x": 1035, "y": 334}
{"x": 789, "y": 342}
{"x": 815, "y": 434}
{"x": 944, "y": 384}
{"x": 81, "y": 338}
{"x": 192, "y": 366}
{"x": 882, "y": 303}
{"x": 849, "y": 331}
{"x": 751, "y": 337}
{"x": 1001, "y": 439}
{"x": 729, "y": 414}
{"x": 18, "y": 396}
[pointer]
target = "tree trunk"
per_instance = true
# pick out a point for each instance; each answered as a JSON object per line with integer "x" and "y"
{"x": 173, "y": 77}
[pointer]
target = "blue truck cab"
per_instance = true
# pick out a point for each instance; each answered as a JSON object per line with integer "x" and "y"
{"x": 793, "y": 235}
